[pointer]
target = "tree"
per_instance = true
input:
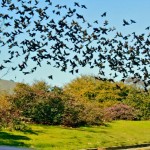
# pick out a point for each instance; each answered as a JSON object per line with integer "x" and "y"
{"x": 64, "y": 39}
{"x": 9, "y": 115}
{"x": 141, "y": 102}
{"x": 90, "y": 88}
{"x": 23, "y": 98}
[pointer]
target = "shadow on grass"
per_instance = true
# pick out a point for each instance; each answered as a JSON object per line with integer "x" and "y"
{"x": 92, "y": 129}
{"x": 30, "y": 131}
{"x": 128, "y": 147}
{"x": 13, "y": 140}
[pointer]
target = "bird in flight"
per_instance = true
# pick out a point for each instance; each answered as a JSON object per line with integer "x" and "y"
{"x": 104, "y": 14}
{"x": 125, "y": 22}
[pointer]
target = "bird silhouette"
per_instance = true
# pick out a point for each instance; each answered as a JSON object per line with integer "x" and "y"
{"x": 103, "y": 15}
{"x": 132, "y": 21}
{"x": 125, "y": 22}
{"x": 50, "y": 77}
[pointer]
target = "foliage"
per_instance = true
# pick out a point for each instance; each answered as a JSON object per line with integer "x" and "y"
{"x": 36, "y": 103}
{"x": 84, "y": 101}
{"x": 9, "y": 115}
{"x": 40, "y": 89}
{"x": 48, "y": 111}
{"x": 119, "y": 112}
{"x": 90, "y": 88}
{"x": 110, "y": 94}
{"x": 23, "y": 98}
{"x": 80, "y": 113}
{"x": 43, "y": 104}
{"x": 141, "y": 102}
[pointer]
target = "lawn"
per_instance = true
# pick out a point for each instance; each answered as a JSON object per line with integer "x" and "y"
{"x": 119, "y": 133}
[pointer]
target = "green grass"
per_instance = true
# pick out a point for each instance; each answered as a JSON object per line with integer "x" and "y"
{"x": 119, "y": 133}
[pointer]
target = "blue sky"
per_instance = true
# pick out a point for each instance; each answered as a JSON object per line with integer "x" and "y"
{"x": 117, "y": 10}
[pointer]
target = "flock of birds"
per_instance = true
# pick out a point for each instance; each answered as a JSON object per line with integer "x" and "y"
{"x": 38, "y": 32}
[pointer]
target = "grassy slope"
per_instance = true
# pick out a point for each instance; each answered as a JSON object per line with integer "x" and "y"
{"x": 6, "y": 85}
{"x": 119, "y": 133}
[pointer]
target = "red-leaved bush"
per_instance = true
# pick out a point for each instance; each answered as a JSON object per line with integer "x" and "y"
{"x": 119, "y": 112}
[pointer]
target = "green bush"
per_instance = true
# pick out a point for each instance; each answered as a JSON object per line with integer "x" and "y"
{"x": 23, "y": 98}
{"x": 141, "y": 102}
{"x": 48, "y": 111}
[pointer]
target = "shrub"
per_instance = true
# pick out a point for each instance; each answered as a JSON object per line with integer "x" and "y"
{"x": 48, "y": 111}
{"x": 9, "y": 115}
{"x": 72, "y": 113}
{"x": 26, "y": 97}
{"x": 23, "y": 98}
{"x": 140, "y": 101}
{"x": 92, "y": 113}
{"x": 79, "y": 113}
{"x": 119, "y": 112}
{"x": 145, "y": 111}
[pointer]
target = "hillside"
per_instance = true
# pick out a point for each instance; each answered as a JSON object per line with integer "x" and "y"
{"x": 6, "y": 85}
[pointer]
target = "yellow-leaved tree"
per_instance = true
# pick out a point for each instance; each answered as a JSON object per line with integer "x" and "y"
{"x": 91, "y": 89}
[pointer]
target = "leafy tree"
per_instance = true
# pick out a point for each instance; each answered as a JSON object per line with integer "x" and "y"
{"x": 9, "y": 115}
{"x": 48, "y": 111}
{"x": 38, "y": 103}
{"x": 23, "y": 97}
{"x": 90, "y": 88}
{"x": 40, "y": 89}
{"x": 140, "y": 101}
